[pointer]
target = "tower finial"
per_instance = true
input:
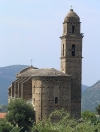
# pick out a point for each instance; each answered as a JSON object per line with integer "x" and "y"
{"x": 71, "y": 6}
{"x": 31, "y": 62}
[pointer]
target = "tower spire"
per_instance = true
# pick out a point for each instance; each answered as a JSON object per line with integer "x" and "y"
{"x": 31, "y": 62}
{"x": 71, "y": 6}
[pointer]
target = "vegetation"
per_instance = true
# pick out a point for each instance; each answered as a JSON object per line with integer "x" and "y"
{"x": 21, "y": 118}
{"x": 98, "y": 109}
{"x": 88, "y": 115}
{"x": 7, "y": 127}
{"x": 21, "y": 114}
{"x": 67, "y": 124}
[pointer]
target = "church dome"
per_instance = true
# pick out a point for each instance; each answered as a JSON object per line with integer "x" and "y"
{"x": 27, "y": 69}
{"x": 41, "y": 73}
{"x": 72, "y": 16}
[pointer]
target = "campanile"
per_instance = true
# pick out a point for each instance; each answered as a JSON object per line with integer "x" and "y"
{"x": 71, "y": 58}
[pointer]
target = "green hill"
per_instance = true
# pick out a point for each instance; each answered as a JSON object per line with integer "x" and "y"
{"x": 7, "y": 75}
{"x": 91, "y": 97}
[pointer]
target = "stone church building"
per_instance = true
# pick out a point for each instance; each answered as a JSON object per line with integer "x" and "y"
{"x": 50, "y": 89}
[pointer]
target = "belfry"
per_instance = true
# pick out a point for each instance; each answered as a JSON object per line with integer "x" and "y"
{"x": 71, "y": 57}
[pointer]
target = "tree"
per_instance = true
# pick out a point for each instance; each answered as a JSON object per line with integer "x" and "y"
{"x": 21, "y": 114}
{"x": 89, "y": 116}
{"x": 5, "y": 126}
{"x": 98, "y": 109}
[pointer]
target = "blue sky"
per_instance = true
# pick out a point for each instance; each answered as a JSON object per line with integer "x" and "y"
{"x": 30, "y": 29}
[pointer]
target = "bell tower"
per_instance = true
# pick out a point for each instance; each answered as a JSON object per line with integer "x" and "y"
{"x": 71, "y": 58}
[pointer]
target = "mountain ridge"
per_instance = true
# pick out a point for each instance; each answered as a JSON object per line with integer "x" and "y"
{"x": 91, "y": 97}
{"x": 7, "y": 75}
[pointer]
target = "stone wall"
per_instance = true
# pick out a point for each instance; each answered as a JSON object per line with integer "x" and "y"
{"x": 27, "y": 89}
{"x": 21, "y": 88}
{"x": 36, "y": 97}
{"x": 51, "y": 93}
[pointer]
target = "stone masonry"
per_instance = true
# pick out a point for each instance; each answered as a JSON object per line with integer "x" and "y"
{"x": 71, "y": 58}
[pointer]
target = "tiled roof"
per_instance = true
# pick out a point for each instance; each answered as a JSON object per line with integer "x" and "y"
{"x": 26, "y": 69}
{"x": 42, "y": 72}
{"x": 2, "y": 115}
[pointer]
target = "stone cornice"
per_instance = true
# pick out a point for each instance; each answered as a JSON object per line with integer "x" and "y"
{"x": 71, "y": 36}
{"x": 70, "y": 57}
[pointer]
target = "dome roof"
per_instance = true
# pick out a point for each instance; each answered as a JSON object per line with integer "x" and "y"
{"x": 41, "y": 72}
{"x": 26, "y": 70}
{"x": 72, "y": 16}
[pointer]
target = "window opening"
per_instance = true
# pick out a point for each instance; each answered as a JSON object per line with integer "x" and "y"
{"x": 73, "y": 50}
{"x": 56, "y": 100}
{"x": 73, "y": 29}
{"x": 63, "y": 49}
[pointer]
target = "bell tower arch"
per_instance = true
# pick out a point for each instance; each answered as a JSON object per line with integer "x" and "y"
{"x": 71, "y": 58}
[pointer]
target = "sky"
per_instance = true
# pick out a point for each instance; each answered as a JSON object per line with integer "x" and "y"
{"x": 30, "y": 29}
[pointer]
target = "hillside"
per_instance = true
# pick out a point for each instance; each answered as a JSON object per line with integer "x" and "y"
{"x": 7, "y": 75}
{"x": 91, "y": 97}
{"x": 84, "y": 87}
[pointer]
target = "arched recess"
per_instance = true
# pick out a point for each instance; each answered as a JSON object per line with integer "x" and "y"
{"x": 56, "y": 100}
{"x": 73, "y": 50}
{"x": 63, "y": 49}
{"x": 73, "y": 29}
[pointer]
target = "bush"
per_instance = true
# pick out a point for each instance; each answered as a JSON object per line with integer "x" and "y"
{"x": 88, "y": 115}
{"x": 65, "y": 124}
{"x": 21, "y": 114}
{"x": 5, "y": 126}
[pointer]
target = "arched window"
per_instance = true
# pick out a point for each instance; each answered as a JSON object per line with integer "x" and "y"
{"x": 56, "y": 100}
{"x": 73, "y": 50}
{"x": 73, "y": 28}
{"x": 63, "y": 49}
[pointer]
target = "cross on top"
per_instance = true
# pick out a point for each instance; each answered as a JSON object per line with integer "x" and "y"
{"x": 31, "y": 61}
{"x": 71, "y": 6}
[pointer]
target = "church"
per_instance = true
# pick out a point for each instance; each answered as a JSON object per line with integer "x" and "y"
{"x": 49, "y": 89}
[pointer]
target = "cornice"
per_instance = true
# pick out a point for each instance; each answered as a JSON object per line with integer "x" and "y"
{"x": 72, "y": 36}
{"x": 64, "y": 57}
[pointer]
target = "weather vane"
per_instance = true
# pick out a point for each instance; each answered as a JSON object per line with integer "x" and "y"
{"x": 31, "y": 61}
